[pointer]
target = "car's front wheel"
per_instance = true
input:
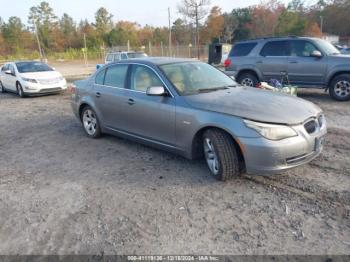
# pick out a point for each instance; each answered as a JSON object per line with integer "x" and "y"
{"x": 90, "y": 122}
{"x": 340, "y": 88}
{"x": 2, "y": 89}
{"x": 20, "y": 90}
{"x": 220, "y": 154}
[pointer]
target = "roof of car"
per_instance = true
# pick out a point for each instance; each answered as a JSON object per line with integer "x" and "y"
{"x": 125, "y": 52}
{"x": 276, "y": 38}
{"x": 159, "y": 60}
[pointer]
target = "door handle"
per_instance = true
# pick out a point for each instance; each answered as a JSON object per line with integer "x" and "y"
{"x": 293, "y": 62}
{"x": 131, "y": 101}
{"x": 259, "y": 62}
{"x": 98, "y": 94}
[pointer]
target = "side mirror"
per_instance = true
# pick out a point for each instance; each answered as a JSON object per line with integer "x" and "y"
{"x": 156, "y": 91}
{"x": 316, "y": 54}
{"x": 8, "y": 72}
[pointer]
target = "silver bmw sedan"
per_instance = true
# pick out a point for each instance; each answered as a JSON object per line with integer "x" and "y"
{"x": 192, "y": 109}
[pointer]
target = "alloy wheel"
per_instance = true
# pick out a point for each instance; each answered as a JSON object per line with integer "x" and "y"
{"x": 90, "y": 122}
{"x": 342, "y": 88}
{"x": 247, "y": 82}
{"x": 211, "y": 156}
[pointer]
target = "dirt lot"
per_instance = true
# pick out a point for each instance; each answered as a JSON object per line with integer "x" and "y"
{"x": 63, "y": 193}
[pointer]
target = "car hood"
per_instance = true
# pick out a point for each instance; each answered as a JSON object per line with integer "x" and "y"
{"x": 256, "y": 104}
{"x": 41, "y": 75}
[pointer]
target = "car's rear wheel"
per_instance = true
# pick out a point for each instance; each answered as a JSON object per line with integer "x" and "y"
{"x": 90, "y": 122}
{"x": 2, "y": 89}
{"x": 248, "y": 79}
{"x": 340, "y": 87}
{"x": 20, "y": 90}
{"x": 220, "y": 154}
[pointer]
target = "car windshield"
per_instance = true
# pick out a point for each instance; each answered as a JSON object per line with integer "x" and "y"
{"x": 327, "y": 47}
{"x": 29, "y": 67}
{"x": 196, "y": 77}
{"x": 136, "y": 55}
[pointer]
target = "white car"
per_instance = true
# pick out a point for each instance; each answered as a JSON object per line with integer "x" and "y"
{"x": 27, "y": 78}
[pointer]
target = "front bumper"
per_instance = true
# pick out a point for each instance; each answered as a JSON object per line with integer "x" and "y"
{"x": 40, "y": 89}
{"x": 267, "y": 157}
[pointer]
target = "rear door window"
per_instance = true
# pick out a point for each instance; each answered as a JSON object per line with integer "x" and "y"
{"x": 115, "y": 76}
{"x": 100, "y": 77}
{"x": 124, "y": 56}
{"x": 276, "y": 48}
{"x": 242, "y": 49}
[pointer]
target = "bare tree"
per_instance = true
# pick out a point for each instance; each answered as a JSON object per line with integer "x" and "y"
{"x": 195, "y": 10}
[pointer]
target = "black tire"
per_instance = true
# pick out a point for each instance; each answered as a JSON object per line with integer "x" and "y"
{"x": 95, "y": 124}
{"x": 20, "y": 90}
{"x": 227, "y": 155}
{"x": 2, "y": 88}
{"x": 339, "y": 88}
{"x": 248, "y": 79}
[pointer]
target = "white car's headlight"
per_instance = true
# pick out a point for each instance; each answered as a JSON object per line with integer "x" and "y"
{"x": 60, "y": 78}
{"x": 270, "y": 131}
{"x": 29, "y": 80}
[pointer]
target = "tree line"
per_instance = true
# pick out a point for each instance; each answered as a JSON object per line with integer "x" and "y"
{"x": 197, "y": 24}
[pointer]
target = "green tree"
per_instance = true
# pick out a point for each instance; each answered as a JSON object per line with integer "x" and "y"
{"x": 243, "y": 20}
{"x": 12, "y": 33}
{"x": 103, "y": 21}
{"x": 181, "y": 32}
{"x": 45, "y": 21}
{"x": 291, "y": 23}
{"x": 93, "y": 40}
{"x": 68, "y": 29}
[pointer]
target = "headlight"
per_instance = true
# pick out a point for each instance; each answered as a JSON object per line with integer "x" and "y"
{"x": 60, "y": 78}
{"x": 272, "y": 132}
{"x": 29, "y": 80}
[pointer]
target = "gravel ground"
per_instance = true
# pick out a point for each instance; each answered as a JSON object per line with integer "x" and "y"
{"x": 63, "y": 193}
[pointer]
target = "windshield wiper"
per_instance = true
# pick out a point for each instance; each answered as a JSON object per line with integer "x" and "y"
{"x": 205, "y": 90}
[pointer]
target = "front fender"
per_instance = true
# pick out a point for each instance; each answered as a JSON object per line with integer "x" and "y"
{"x": 249, "y": 67}
{"x": 335, "y": 70}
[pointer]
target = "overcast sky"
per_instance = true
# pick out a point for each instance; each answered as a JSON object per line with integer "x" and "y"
{"x": 152, "y": 12}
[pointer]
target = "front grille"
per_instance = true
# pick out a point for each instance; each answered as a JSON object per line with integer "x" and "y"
{"x": 311, "y": 126}
{"x": 56, "y": 89}
{"x": 49, "y": 81}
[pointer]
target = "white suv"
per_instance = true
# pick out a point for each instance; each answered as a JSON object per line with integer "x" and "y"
{"x": 113, "y": 57}
{"x": 30, "y": 78}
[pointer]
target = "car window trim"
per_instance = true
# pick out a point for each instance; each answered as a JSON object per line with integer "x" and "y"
{"x": 128, "y": 88}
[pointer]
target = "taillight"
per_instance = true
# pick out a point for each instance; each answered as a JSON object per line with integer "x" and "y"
{"x": 227, "y": 62}
{"x": 72, "y": 88}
